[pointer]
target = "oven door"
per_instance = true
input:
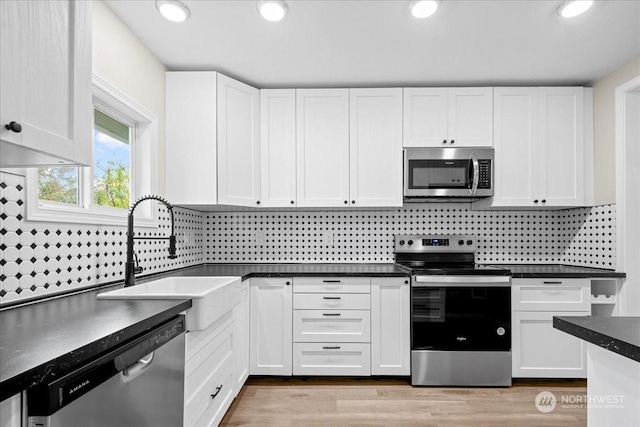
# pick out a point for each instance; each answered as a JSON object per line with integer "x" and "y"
{"x": 461, "y": 313}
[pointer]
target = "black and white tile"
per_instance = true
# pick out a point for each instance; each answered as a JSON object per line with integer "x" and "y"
{"x": 44, "y": 258}
{"x": 40, "y": 258}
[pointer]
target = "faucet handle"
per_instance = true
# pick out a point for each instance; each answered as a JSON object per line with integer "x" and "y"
{"x": 137, "y": 269}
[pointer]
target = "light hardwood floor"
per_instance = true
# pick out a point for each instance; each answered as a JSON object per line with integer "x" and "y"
{"x": 393, "y": 402}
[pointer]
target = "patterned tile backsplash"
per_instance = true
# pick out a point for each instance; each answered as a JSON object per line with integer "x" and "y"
{"x": 44, "y": 258}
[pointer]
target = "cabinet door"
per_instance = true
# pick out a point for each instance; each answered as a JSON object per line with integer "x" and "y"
{"x": 425, "y": 117}
{"x": 191, "y": 154}
{"x": 540, "y": 351}
{"x": 241, "y": 336}
{"x": 322, "y": 147}
{"x": 238, "y": 143}
{"x": 375, "y": 147}
{"x": 271, "y": 324}
{"x": 45, "y": 58}
{"x": 390, "y": 323}
{"x": 561, "y": 146}
{"x": 278, "y": 147}
{"x": 470, "y": 117}
{"x": 516, "y": 146}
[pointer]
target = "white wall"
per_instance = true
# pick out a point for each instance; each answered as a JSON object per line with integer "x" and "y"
{"x": 604, "y": 130}
{"x": 123, "y": 61}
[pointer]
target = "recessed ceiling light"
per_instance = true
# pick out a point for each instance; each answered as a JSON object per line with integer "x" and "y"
{"x": 173, "y": 10}
{"x": 423, "y": 8}
{"x": 272, "y": 10}
{"x": 571, "y": 8}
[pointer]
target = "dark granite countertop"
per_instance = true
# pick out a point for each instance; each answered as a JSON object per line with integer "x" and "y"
{"x": 618, "y": 334}
{"x": 41, "y": 341}
{"x": 519, "y": 271}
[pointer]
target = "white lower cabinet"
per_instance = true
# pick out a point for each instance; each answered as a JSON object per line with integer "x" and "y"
{"x": 209, "y": 373}
{"x": 328, "y": 340}
{"x": 270, "y": 323}
{"x": 390, "y": 326}
{"x": 539, "y": 350}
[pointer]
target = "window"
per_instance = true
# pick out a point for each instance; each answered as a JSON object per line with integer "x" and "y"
{"x": 124, "y": 157}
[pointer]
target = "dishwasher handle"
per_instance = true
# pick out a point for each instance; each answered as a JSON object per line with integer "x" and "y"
{"x": 137, "y": 369}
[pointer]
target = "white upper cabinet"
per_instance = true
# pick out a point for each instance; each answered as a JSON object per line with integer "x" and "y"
{"x": 375, "y": 147}
{"x": 278, "y": 147}
{"x": 540, "y": 146}
{"x": 561, "y": 146}
{"x": 238, "y": 143}
{"x": 322, "y": 147}
{"x": 516, "y": 146}
{"x": 445, "y": 117}
{"x": 45, "y": 83}
{"x": 191, "y": 153}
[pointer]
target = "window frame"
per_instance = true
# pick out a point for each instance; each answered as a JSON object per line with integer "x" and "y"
{"x": 144, "y": 142}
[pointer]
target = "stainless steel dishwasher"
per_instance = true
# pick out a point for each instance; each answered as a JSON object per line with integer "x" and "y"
{"x": 140, "y": 383}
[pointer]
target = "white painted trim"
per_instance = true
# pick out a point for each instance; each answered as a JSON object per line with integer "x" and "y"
{"x": 145, "y": 136}
{"x": 621, "y": 203}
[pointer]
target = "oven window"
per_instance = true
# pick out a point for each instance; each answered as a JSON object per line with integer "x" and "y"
{"x": 433, "y": 174}
{"x": 461, "y": 318}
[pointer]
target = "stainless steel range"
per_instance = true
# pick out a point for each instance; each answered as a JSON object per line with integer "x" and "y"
{"x": 460, "y": 313}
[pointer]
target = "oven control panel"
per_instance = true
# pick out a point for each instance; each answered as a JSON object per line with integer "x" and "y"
{"x": 415, "y": 243}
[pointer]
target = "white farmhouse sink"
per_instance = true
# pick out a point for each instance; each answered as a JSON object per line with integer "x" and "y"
{"x": 211, "y": 297}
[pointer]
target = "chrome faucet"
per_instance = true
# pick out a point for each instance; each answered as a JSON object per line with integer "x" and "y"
{"x": 131, "y": 267}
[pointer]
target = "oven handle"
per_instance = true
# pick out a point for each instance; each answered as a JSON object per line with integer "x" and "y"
{"x": 438, "y": 281}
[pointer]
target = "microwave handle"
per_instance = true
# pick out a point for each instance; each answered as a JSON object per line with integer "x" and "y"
{"x": 476, "y": 173}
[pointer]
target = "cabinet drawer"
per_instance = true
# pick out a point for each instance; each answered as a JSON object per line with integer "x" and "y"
{"x": 213, "y": 399}
{"x": 551, "y": 294}
{"x": 331, "y": 301}
{"x": 331, "y": 359}
{"x": 331, "y": 326}
{"x": 208, "y": 360}
{"x": 349, "y": 285}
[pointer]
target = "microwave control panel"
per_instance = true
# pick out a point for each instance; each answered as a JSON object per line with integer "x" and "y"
{"x": 484, "y": 167}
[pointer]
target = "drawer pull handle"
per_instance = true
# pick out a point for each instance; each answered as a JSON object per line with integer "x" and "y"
{"x": 331, "y": 297}
{"x": 331, "y": 314}
{"x": 337, "y": 347}
{"x": 331, "y": 281}
{"x": 213, "y": 396}
{"x": 552, "y": 283}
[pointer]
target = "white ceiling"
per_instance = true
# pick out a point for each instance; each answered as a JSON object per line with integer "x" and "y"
{"x": 357, "y": 43}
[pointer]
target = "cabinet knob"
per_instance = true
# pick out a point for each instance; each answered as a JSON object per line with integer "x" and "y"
{"x": 406, "y": 282}
{"x": 453, "y": 140}
{"x": 353, "y": 202}
{"x": 292, "y": 202}
{"x": 258, "y": 202}
{"x": 544, "y": 200}
{"x": 535, "y": 201}
{"x": 287, "y": 283}
{"x": 14, "y": 127}
{"x": 444, "y": 141}
{"x": 346, "y": 203}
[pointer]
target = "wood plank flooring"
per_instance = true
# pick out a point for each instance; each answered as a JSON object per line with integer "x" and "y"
{"x": 376, "y": 402}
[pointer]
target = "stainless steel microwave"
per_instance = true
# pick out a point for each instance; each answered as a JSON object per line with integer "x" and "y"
{"x": 448, "y": 172}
